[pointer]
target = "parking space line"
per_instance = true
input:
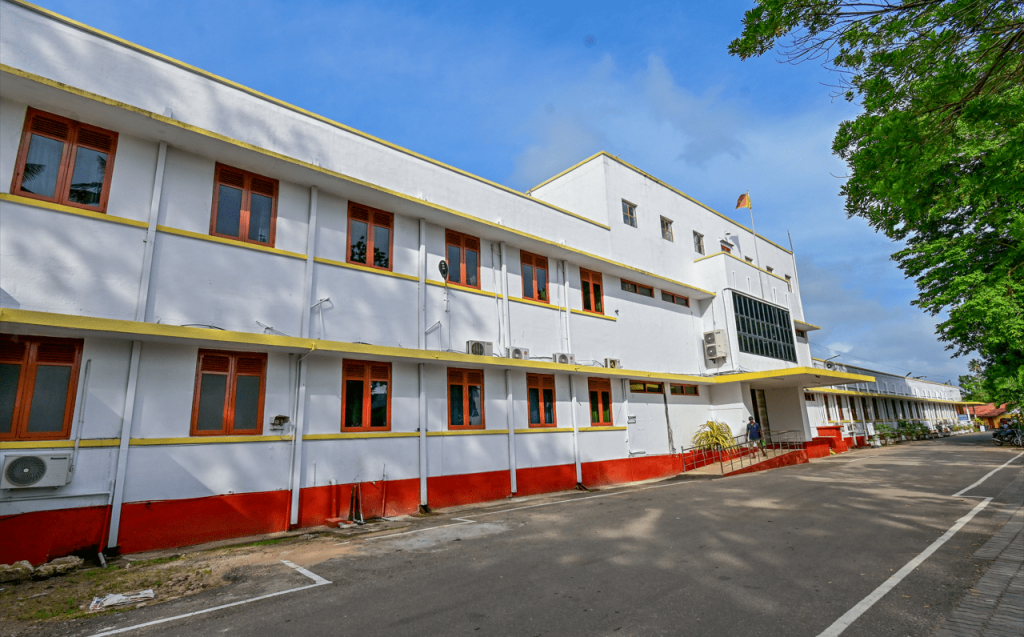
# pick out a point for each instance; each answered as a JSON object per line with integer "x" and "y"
{"x": 851, "y": 615}
{"x": 987, "y": 476}
{"x": 319, "y": 581}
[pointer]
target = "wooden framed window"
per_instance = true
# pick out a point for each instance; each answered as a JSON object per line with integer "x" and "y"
{"x": 244, "y": 206}
{"x": 38, "y": 386}
{"x": 666, "y": 229}
{"x": 64, "y": 161}
{"x": 463, "y": 253}
{"x": 229, "y": 392}
{"x": 628, "y": 213}
{"x": 853, "y": 408}
{"x": 801, "y": 334}
{"x": 366, "y": 396}
{"x": 465, "y": 399}
{"x": 808, "y": 396}
{"x": 839, "y": 407}
{"x": 540, "y": 391}
{"x": 600, "y": 401}
{"x": 675, "y": 299}
{"x": 535, "y": 277}
{"x": 685, "y": 390}
{"x": 726, "y": 249}
{"x": 645, "y": 387}
{"x": 370, "y": 236}
{"x": 593, "y": 292}
{"x": 698, "y": 242}
{"x": 636, "y": 288}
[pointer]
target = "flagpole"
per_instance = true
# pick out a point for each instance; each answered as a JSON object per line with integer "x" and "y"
{"x": 757, "y": 258}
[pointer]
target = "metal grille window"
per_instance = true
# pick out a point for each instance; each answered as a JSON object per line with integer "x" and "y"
{"x": 763, "y": 329}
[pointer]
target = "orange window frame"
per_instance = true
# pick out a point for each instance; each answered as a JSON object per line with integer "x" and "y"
{"x": 373, "y": 218}
{"x": 839, "y": 407}
{"x": 248, "y": 183}
{"x": 588, "y": 279}
{"x": 853, "y": 408}
{"x": 367, "y": 372}
{"x": 465, "y": 243}
{"x": 635, "y": 288}
{"x": 466, "y": 379}
{"x": 685, "y": 390}
{"x": 600, "y": 390}
{"x": 541, "y": 383}
{"x": 644, "y": 387}
{"x": 73, "y": 135}
{"x": 726, "y": 249}
{"x": 675, "y": 299}
{"x": 628, "y": 213}
{"x": 30, "y": 353}
{"x": 239, "y": 364}
{"x": 535, "y": 263}
{"x": 808, "y": 396}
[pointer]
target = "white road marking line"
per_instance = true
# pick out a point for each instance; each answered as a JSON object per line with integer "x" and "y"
{"x": 987, "y": 476}
{"x": 432, "y": 528}
{"x": 851, "y": 615}
{"x": 313, "y": 576}
{"x": 856, "y": 459}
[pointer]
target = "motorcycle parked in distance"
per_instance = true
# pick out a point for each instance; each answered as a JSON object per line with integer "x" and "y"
{"x": 1008, "y": 436}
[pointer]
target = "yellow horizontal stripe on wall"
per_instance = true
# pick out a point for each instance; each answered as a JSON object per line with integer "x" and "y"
{"x": 362, "y": 434}
{"x": 231, "y": 242}
{"x": 544, "y": 430}
{"x": 347, "y": 178}
{"x": 58, "y": 444}
{"x": 747, "y": 263}
{"x": 363, "y": 268}
{"x": 546, "y": 306}
{"x": 470, "y": 432}
{"x": 602, "y": 428}
{"x": 846, "y": 392}
{"x": 462, "y": 288}
{"x": 592, "y": 315}
{"x": 71, "y": 210}
{"x": 206, "y": 440}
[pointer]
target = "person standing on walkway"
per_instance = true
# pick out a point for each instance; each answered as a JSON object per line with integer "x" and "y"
{"x": 754, "y": 435}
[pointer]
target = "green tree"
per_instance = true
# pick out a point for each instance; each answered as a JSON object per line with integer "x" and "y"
{"x": 936, "y": 158}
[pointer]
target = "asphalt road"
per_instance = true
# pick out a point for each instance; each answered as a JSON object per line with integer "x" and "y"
{"x": 783, "y": 552}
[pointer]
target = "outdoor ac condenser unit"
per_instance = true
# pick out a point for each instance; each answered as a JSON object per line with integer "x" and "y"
{"x": 715, "y": 344}
{"x": 613, "y": 363}
{"x": 480, "y": 348}
{"x": 517, "y": 353}
{"x": 36, "y": 470}
{"x": 563, "y": 358}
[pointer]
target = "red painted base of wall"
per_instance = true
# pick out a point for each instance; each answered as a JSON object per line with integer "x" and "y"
{"x": 45, "y": 535}
{"x": 40, "y": 537}
{"x": 796, "y": 457}
{"x": 818, "y": 447}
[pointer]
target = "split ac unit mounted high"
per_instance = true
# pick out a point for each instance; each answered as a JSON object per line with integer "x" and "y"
{"x": 563, "y": 358}
{"x": 517, "y": 353}
{"x": 36, "y": 470}
{"x": 715, "y": 345}
{"x": 613, "y": 363}
{"x": 480, "y": 348}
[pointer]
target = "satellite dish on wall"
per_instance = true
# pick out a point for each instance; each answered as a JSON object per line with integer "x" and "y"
{"x": 443, "y": 268}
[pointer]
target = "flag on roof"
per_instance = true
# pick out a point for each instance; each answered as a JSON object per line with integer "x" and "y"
{"x": 744, "y": 201}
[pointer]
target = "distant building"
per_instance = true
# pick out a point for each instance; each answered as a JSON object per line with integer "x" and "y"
{"x": 191, "y": 271}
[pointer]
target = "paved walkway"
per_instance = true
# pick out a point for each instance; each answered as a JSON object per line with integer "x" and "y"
{"x": 995, "y": 606}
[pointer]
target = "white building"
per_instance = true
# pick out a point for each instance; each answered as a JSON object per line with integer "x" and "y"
{"x": 191, "y": 271}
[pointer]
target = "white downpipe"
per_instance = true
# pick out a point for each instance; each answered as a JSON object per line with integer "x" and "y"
{"x": 504, "y": 292}
{"x": 575, "y": 430}
{"x": 568, "y": 312}
{"x": 307, "y": 287}
{"x": 510, "y": 417}
{"x": 122, "y": 449}
{"x": 297, "y": 431}
{"x": 81, "y": 415}
{"x": 421, "y": 343}
{"x": 154, "y": 213}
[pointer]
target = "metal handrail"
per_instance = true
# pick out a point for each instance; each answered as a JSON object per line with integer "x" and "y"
{"x": 742, "y": 452}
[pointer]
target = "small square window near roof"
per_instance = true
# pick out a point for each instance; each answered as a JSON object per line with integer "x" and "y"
{"x": 666, "y": 229}
{"x": 628, "y": 213}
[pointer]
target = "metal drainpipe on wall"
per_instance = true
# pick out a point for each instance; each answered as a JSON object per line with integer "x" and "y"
{"x": 575, "y": 430}
{"x": 568, "y": 312}
{"x": 145, "y": 280}
{"x": 509, "y": 407}
{"x": 421, "y": 343}
{"x": 299, "y": 427}
{"x": 504, "y": 292}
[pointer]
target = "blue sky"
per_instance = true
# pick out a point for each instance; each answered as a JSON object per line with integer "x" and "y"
{"x": 516, "y": 92}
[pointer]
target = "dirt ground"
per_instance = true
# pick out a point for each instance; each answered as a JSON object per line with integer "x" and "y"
{"x": 170, "y": 575}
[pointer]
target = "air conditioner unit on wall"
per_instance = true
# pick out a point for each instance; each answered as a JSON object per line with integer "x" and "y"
{"x": 715, "y": 345}
{"x": 613, "y": 363}
{"x": 36, "y": 470}
{"x": 480, "y": 348}
{"x": 563, "y": 358}
{"x": 517, "y": 353}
